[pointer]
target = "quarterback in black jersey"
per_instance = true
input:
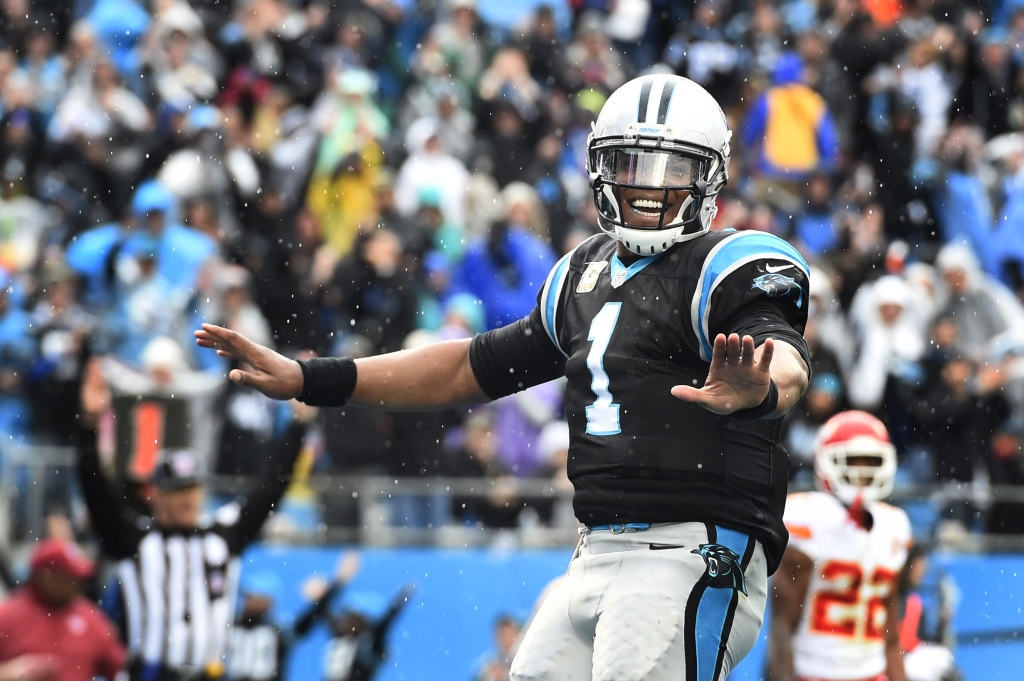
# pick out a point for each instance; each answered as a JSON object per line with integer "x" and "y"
{"x": 682, "y": 349}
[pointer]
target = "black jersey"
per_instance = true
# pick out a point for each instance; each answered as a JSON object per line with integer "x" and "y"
{"x": 624, "y": 336}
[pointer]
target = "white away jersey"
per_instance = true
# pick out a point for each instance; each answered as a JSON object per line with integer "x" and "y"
{"x": 842, "y": 634}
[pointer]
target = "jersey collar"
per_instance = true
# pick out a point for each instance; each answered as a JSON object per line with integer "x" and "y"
{"x": 627, "y": 272}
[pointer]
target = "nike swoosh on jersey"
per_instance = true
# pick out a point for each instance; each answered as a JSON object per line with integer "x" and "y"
{"x": 773, "y": 270}
{"x": 664, "y": 547}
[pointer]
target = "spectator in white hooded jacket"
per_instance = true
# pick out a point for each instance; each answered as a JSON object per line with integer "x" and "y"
{"x": 890, "y": 332}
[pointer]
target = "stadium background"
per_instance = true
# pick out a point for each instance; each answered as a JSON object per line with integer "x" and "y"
{"x": 902, "y": 185}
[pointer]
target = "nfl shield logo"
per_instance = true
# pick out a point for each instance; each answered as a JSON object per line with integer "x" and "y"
{"x": 619, "y": 279}
{"x": 589, "y": 279}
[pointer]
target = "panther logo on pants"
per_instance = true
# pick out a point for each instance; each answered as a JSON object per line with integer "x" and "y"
{"x": 724, "y": 570}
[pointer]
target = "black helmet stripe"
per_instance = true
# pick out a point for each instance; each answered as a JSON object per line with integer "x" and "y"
{"x": 666, "y": 98}
{"x": 645, "y": 96}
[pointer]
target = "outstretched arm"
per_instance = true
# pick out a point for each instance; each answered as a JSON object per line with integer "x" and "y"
{"x": 433, "y": 377}
{"x": 380, "y": 631}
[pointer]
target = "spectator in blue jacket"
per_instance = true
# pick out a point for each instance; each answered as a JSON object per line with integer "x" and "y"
{"x": 505, "y": 270}
{"x": 181, "y": 251}
{"x": 962, "y": 205}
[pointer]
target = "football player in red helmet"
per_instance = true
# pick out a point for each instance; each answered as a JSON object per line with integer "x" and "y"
{"x": 834, "y": 596}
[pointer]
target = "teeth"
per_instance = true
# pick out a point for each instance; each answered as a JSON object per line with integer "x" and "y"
{"x": 647, "y": 207}
{"x": 646, "y": 203}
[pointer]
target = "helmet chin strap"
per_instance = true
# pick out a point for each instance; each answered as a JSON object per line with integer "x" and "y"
{"x": 695, "y": 197}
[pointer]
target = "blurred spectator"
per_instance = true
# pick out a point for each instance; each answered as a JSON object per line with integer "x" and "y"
{"x": 212, "y": 165}
{"x": 956, "y": 419}
{"x": 924, "y": 82}
{"x": 925, "y": 626}
{"x": 828, "y": 334}
{"x": 43, "y": 70}
{"x": 814, "y": 228}
{"x": 260, "y": 646}
{"x": 824, "y": 399}
{"x": 508, "y": 80}
{"x": 982, "y": 308}
{"x": 181, "y": 251}
{"x": 1007, "y": 468}
{"x": 789, "y": 128}
{"x": 890, "y": 339}
{"x": 16, "y": 354}
{"x": 495, "y": 665}
{"x": 505, "y": 271}
{"x": 553, "y": 444}
{"x": 149, "y": 306}
{"x": 60, "y": 329}
{"x": 963, "y": 208}
{"x": 49, "y": 631}
{"x": 371, "y": 295}
{"x": 591, "y": 59}
{"x": 828, "y": 77}
{"x": 429, "y": 167}
{"x": 460, "y": 51}
{"x": 518, "y": 420}
{"x": 358, "y": 633}
{"x": 700, "y": 51}
{"x": 897, "y": 191}
{"x": 477, "y": 457}
{"x": 352, "y": 129}
{"x": 543, "y": 48}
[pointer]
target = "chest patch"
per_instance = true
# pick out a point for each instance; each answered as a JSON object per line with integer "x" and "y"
{"x": 589, "y": 279}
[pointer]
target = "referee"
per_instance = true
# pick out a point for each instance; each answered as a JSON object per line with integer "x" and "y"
{"x": 177, "y": 571}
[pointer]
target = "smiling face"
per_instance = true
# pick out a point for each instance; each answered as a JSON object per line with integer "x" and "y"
{"x": 653, "y": 185}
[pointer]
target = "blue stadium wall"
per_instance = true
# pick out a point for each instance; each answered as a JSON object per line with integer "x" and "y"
{"x": 447, "y": 627}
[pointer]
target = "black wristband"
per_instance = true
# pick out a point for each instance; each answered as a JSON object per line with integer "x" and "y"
{"x": 327, "y": 381}
{"x": 767, "y": 406}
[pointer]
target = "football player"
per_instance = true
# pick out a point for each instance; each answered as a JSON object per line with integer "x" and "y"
{"x": 682, "y": 349}
{"x": 834, "y": 596}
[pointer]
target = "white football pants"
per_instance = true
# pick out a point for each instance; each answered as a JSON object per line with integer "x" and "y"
{"x": 677, "y": 601}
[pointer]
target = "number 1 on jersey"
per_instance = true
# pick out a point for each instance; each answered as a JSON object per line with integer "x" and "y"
{"x": 603, "y": 414}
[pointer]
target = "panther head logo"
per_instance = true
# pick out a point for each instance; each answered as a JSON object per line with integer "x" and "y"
{"x": 775, "y": 285}
{"x": 723, "y": 567}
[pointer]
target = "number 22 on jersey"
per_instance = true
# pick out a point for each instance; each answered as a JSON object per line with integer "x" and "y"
{"x": 603, "y": 414}
{"x": 851, "y": 607}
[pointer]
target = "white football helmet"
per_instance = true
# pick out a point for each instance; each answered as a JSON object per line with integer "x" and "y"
{"x": 848, "y": 435}
{"x": 658, "y": 132}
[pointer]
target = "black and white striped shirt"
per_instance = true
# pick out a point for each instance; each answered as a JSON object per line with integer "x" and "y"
{"x": 178, "y": 586}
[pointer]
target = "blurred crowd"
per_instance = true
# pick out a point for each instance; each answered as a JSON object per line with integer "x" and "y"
{"x": 363, "y": 176}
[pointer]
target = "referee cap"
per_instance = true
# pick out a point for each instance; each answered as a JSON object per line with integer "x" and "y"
{"x": 178, "y": 469}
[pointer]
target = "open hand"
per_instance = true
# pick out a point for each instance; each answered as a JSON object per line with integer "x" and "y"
{"x": 737, "y": 379}
{"x": 271, "y": 373}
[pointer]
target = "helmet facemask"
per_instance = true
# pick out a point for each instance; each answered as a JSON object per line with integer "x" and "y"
{"x": 861, "y": 468}
{"x": 652, "y": 194}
